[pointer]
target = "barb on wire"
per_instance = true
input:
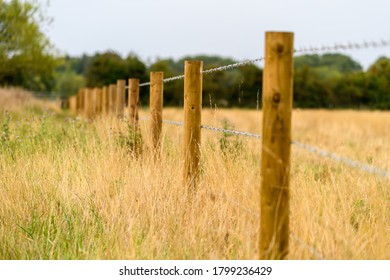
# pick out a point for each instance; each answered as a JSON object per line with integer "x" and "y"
{"x": 352, "y": 163}
{"x": 242, "y": 133}
{"x": 167, "y": 80}
{"x": 347, "y": 46}
{"x": 173, "y": 123}
{"x": 232, "y": 66}
{"x": 164, "y": 121}
{"x": 212, "y": 70}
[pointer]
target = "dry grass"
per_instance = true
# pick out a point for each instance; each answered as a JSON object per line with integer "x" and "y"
{"x": 74, "y": 190}
{"x": 18, "y": 100}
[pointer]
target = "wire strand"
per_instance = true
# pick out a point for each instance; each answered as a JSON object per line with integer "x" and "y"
{"x": 302, "y": 50}
{"x": 315, "y": 150}
{"x": 350, "y": 162}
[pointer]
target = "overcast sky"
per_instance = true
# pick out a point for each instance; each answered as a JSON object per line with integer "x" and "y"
{"x": 174, "y": 28}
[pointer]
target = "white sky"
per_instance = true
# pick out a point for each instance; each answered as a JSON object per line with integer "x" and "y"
{"x": 174, "y": 28}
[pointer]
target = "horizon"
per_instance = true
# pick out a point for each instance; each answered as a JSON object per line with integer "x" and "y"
{"x": 190, "y": 28}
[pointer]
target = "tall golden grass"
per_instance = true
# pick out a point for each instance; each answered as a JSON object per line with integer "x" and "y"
{"x": 17, "y": 100}
{"x": 70, "y": 189}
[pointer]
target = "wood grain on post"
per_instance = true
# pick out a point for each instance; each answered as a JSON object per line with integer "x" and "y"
{"x": 105, "y": 100}
{"x": 156, "y": 107}
{"x": 99, "y": 101}
{"x": 112, "y": 100}
{"x": 120, "y": 98}
{"x": 73, "y": 104}
{"x": 276, "y": 141}
{"x": 80, "y": 101}
{"x": 89, "y": 105}
{"x": 133, "y": 102}
{"x": 133, "y": 114}
{"x": 192, "y": 121}
{"x": 86, "y": 102}
{"x": 93, "y": 102}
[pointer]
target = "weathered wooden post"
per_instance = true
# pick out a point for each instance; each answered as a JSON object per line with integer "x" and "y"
{"x": 276, "y": 141}
{"x": 86, "y": 102}
{"x": 99, "y": 101}
{"x": 156, "y": 107}
{"x": 93, "y": 102}
{"x": 120, "y": 98}
{"x": 80, "y": 101}
{"x": 192, "y": 121}
{"x": 112, "y": 100}
{"x": 105, "y": 100}
{"x": 73, "y": 104}
{"x": 133, "y": 103}
{"x": 89, "y": 104}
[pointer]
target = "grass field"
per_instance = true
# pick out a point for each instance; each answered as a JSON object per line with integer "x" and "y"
{"x": 70, "y": 189}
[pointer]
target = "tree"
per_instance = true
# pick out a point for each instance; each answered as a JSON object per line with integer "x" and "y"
{"x": 105, "y": 68}
{"x": 67, "y": 81}
{"x": 26, "y": 55}
{"x": 378, "y": 84}
{"x": 108, "y": 67}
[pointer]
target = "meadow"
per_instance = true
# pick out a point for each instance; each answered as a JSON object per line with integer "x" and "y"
{"x": 74, "y": 189}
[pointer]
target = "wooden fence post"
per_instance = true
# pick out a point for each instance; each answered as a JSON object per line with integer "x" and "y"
{"x": 80, "y": 101}
{"x": 93, "y": 102}
{"x": 73, "y": 104}
{"x": 89, "y": 104}
{"x": 133, "y": 102}
{"x": 275, "y": 162}
{"x": 105, "y": 100}
{"x": 99, "y": 101}
{"x": 156, "y": 107}
{"x": 120, "y": 98}
{"x": 86, "y": 102}
{"x": 192, "y": 121}
{"x": 112, "y": 100}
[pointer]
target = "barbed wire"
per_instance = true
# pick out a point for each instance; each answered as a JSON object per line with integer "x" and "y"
{"x": 212, "y": 70}
{"x": 302, "y": 50}
{"x": 173, "y": 123}
{"x": 350, "y": 162}
{"x": 311, "y": 249}
{"x": 344, "y": 47}
{"x": 229, "y": 131}
{"x": 318, "y": 151}
{"x": 167, "y": 80}
{"x": 232, "y": 66}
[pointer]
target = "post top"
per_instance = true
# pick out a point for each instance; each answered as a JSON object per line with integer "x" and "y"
{"x": 280, "y": 32}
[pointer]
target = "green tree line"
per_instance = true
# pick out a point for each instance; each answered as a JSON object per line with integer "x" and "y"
{"x": 27, "y": 59}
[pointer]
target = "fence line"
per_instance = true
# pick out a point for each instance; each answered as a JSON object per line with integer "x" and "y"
{"x": 277, "y": 108}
